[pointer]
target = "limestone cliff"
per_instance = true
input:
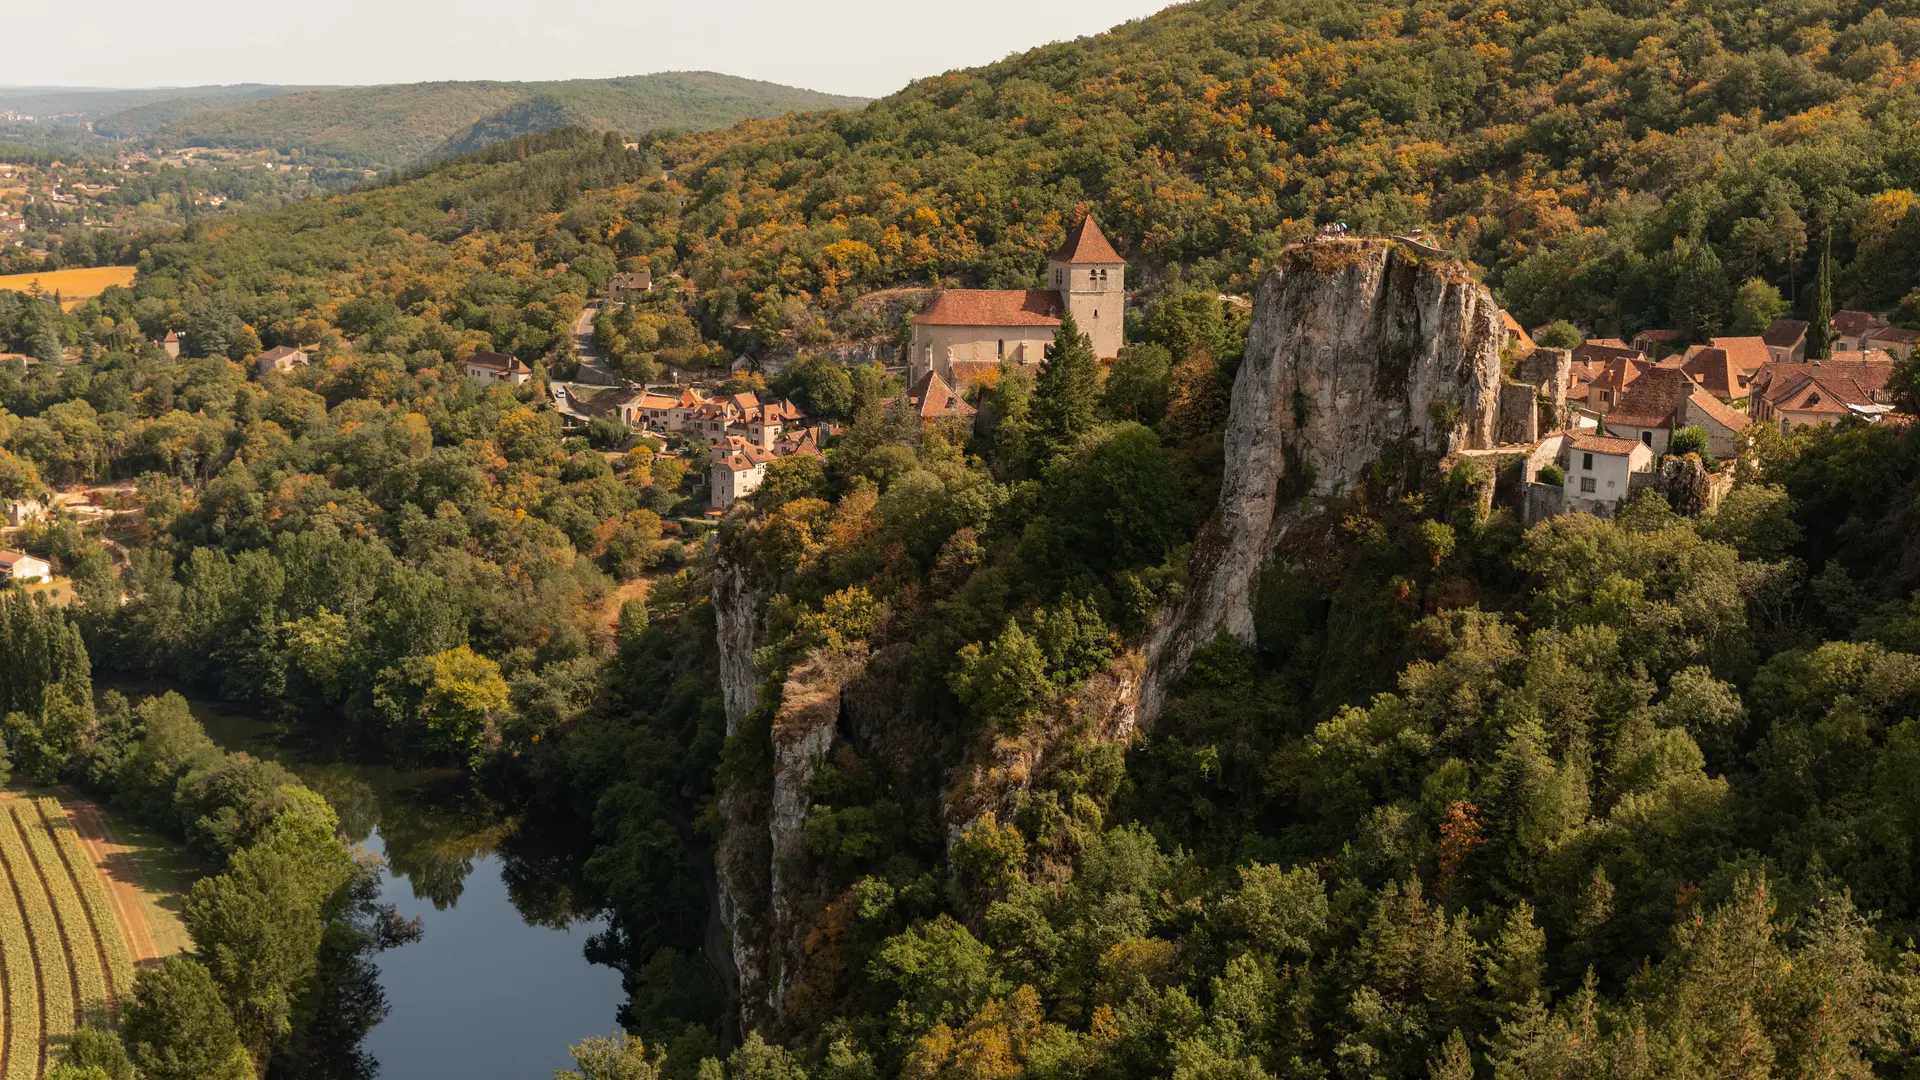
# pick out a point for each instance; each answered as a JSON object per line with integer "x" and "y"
{"x": 742, "y": 855}
{"x": 1359, "y": 351}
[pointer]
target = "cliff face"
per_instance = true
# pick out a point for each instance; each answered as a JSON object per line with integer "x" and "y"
{"x": 1359, "y": 351}
{"x": 742, "y": 857}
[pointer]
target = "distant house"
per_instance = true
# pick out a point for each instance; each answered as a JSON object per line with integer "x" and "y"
{"x": 1851, "y": 328}
{"x": 21, "y": 511}
{"x": 628, "y": 287}
{"x": 1598, "y": 472}
{"x": 282, "y": 358}
{"x": 737, "y": 474}
{"x": 171, "y": 344}
{"x": 21, "y": 567}
{"x": 492, "y": 367}
{"x": 1615, "y": 376}
{"x": 1786, "y": 341}
{"x": 1722, "y": 422}
{"x": 1645, "y": 412}
{"x": 1898, "y": 341}
{"x": 932, "y": 399}
{"x": 1807, "y": 395}
{"x": 1516, "y": 334}
{"x": 1656, "y": 343}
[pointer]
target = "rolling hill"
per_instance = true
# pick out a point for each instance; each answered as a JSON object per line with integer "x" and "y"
{"x": 75, "y": 104}
{"x": 392, "y": 125}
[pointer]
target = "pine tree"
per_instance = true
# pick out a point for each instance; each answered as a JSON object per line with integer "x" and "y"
{"x": 1066, "y": 392}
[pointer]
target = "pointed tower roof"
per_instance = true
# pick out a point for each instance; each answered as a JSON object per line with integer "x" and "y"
{"x": 1087, "y": 244}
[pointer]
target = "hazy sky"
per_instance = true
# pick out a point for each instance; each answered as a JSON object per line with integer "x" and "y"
{"x": 869, "y": 47}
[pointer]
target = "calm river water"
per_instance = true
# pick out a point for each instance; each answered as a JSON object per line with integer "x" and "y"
{"x": 485, "y": 994}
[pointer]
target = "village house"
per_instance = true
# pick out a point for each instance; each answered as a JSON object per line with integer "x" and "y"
{"x": 1603, "y": 390}
{"x": 1786, "y": 341}
{"x": 281, "y": 358}
{"x": 21, "y": 511}
{"x": 1657, "y": 343}
{"x": 1599, "y": 471}
{"x": 931, "y": 398}
{"x": 1086, "y": 277}
{"x": 1516, "y": 334}
{"x": 1645, "y": 412}
{"x": 1897, "y": 341}
{"x": 1851, "y": 328}
{"x": 736, "y": 475}
{"x": 628, "y": 287}
{"x": 492, "y": 367}
{"x": 171, "y": 344}
{"x": 1806, "y": 395}
{"x": 24, "y": 568}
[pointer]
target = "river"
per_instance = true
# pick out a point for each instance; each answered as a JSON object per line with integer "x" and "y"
{"x": 486, "y": 993}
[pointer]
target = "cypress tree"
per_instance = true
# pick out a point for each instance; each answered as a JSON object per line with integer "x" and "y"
{"x": 1820, "y": 333}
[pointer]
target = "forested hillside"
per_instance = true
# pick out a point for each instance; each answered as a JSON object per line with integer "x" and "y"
{"x": 386, "y": 126}
{"x": 1626, "y": 798}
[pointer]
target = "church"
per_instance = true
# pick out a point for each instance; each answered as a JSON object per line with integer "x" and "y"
{"x": 977, "y": 328}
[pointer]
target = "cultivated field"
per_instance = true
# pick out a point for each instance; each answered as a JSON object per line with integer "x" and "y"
{"x": 74, "y": 286}
{"x": 63, "y": 959}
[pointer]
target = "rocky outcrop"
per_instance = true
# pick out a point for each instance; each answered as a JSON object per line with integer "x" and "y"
{"x": 803, "y": 732}
{"x": 742, "y": 856}
{"x": 1359, "y": 351}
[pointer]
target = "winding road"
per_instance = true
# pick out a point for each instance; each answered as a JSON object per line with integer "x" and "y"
{"x": 593, "y": 369}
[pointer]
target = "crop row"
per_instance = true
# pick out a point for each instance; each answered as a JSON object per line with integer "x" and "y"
{"x": 79, "y": 865}
{"x": 23, "y": 979}
{"x": 76, "y": 927}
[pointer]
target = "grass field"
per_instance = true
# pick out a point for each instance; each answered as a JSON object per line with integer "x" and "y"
{"x": 74, "y": 286}
{"x": 64, "y": 958}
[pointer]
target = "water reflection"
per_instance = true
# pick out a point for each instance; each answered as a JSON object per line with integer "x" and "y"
{"x": 500, "y": 984}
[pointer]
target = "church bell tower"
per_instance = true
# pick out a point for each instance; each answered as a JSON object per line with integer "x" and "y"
{"x": 1091, "y": 279}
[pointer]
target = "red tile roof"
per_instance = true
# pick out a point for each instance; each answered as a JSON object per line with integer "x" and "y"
{"x": 1621, "y": 371}
{"x": 1650, "y": 401}
{"x": 993, "y": 307}
{"x": 1748, "y": 354}
{"x": 1850, "y": 323}
{"x": 1599, "y": 352}
{"x": 1785, "y": 333}
{"x": 1085, "y": 243}
{"x": 1723, "y": 414}
{"x": 932, "y": 398}
{"x": 1899, "y": 334}
{"x": 1515, "y": 330}
{"x": 1600, "y": 444}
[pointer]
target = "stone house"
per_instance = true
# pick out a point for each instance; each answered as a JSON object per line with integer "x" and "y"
{"x": 1806, "y": 395}
{"x": 627, "y": 287}
{"x": 1851, "y": 328}
{"x": 21, "y": 511}
{"x": 1898, "y": 341}
{"x": 1645, "y": 412}
{"x": 1599, "y": 471}
{"x": 282, "y": 358}
{"x": 22, "y": 567}
{"x": 1786, "y": 341}
{"x": 492, "y": 367}
{"x": 736, "y": 474}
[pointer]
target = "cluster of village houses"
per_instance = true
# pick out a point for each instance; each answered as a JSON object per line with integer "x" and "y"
{"x": 1623, "y": 401}
{"x": 1626, "y": 400}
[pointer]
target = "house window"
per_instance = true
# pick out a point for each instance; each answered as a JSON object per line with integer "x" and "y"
{"x": 1647, "y": 437}
{"x": 1586, "y": 462}
{"x": 1002, "y": 351}
{"x": 1586, "y": 485}
{"x": 1056, "y": 279}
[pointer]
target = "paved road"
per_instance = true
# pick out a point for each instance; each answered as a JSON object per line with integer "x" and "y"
{"x": 593, "y": 369}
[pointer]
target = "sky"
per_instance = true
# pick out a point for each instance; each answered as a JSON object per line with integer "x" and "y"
{"x": 864, "y": 47}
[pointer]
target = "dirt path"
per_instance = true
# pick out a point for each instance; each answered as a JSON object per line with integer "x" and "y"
{"x": 610, "y": 612}
{"x": 109, "y": 858}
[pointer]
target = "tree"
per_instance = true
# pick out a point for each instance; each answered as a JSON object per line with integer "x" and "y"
{"x": 1820, "y": 326}
{"x": 1756, "y": 306}
{"x": 1689, "y": 440}
{"x": 1066, "y": 390}
{"x": 619, "y": 1057}
{"x": 1137, "y": 386}
{"x": 1700, "y": 292}
{"x": 97, "y": 1049}
{"x": 1117, "y": 504}
{"x": 177, "y": 1028}
{"x": 1561, "y": 334}
{"x": 450, "y": 703}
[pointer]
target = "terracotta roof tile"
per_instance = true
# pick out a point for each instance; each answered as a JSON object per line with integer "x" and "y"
{"x": 1850, "y": 323}
{"x": 993, "y": 307}
{"x": 932, "y": 398}
{"x": 1650, "y": 401}
{"x": 1085, "y": 243}
{"x": 1723, "y": 414}
{"x": 1600, "y": 444}
{"x": 1748, "y": 354}
{"x": 1785, "y": 333}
